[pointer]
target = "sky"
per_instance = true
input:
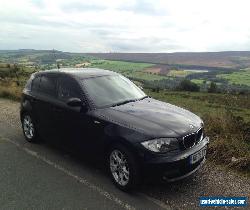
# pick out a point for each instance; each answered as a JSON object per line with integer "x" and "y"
{"x": 125, "y": 25}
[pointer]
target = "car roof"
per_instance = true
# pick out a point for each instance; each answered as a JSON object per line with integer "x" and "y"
{"x": 79, "y": 73}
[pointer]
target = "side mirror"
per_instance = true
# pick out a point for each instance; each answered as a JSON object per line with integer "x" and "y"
{"x": 74, "y": 102}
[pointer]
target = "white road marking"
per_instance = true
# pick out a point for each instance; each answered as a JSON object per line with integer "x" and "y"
{"x": 87, "y": 183}
{"x": 157, "y": 202}
{"x": 79, "y": 179}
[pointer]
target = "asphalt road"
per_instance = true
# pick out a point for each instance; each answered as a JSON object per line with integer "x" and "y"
{"x": 42, "y": 176}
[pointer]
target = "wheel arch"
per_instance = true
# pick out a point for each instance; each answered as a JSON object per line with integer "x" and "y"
{"x": 119, "y": 141}
{"x": 25, "y": 107}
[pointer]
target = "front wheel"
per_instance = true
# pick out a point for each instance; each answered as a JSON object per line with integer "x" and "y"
{"x": 123, "y": 167}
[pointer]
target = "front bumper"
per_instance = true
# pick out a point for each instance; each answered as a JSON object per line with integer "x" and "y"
{"x": 174, "y": 166}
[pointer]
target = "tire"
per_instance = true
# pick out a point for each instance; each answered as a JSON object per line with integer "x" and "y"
{"x": 125, "y": 175}
{"x": 29, "y": 128}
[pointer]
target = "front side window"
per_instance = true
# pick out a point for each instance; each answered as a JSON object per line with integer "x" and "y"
{"x": 106, "y": 91}
{"x": 67, "y": 88}
{"x": 48, "y": 85}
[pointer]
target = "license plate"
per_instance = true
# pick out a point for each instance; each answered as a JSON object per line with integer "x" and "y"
{"x": 197, "y": 156}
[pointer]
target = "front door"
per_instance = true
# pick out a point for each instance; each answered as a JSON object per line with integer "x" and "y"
{"x": 75, "y": 126}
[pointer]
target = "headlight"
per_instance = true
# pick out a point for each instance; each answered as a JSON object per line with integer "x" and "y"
{"x": 161, "y": 145}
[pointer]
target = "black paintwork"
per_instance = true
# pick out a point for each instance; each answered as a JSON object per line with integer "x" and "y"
{"x": 94, "y": 130}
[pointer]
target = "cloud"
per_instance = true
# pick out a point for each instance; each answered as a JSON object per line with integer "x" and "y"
{"x": 82, "y": 7}
{"x": 146, "y": 45}
{"x": 125, "y": 25}
{"x": 38, "y": 3}
{"x": 145, "y": 7}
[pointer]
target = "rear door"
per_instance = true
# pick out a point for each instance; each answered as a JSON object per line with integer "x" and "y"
{"x": 33, "y": 99}
{"x": 45, "y": 98}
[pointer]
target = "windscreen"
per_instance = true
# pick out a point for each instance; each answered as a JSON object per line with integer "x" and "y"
{"x": 111, "y": 90}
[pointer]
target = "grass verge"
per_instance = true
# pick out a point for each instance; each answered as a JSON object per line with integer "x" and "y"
{"x": 227, "y": 123}
{"x": 11, "y": 92}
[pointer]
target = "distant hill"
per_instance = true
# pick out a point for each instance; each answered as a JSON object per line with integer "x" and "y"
{"x": 230, "y": 71}
{"x": 29, "y": 51}
{"x": 227, "y": 59}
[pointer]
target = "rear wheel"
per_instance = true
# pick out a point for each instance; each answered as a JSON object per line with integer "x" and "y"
{"x": 29, "y": 129}
{"x": 123, "y": 167}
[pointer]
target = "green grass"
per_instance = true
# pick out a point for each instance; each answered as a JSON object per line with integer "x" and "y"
{"x": 119, "y": 66}
{"x": 241, "y": 77}
{"x": 198, "y": 81}
{"x": 11, "y": 91}
{"x": 144, "y": 76}
{"x": 203, "y": 103}
{"x": 179, "y": 73}
{"x": 227, "y": 123}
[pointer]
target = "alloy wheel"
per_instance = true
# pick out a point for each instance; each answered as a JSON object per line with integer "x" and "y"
{"x": 119, "y": 167}
{"x": 28, "y": 127}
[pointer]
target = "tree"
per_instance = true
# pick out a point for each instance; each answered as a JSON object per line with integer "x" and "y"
{"x": 213, "y": 88}
{"x": 16, "y": 70}
{"x": 187, "y": 85}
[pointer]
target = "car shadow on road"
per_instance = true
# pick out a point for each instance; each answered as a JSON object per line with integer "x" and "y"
{"x": 176, "y": 194}
{"x": 89, "y": 160}
{"x": 93, "y": 162}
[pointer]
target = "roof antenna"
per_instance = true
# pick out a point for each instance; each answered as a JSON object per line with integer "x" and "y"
{"x": 57, "y": 64}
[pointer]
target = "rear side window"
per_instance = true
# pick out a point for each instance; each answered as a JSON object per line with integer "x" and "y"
{"x": 48, "y": 85}
{"x": 67, "y": 88}
{"x": 35, "y": 83}
{"x": 29, "y": 82}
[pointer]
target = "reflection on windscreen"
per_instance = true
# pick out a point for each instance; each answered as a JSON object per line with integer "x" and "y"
{"x": 109, "y": 90}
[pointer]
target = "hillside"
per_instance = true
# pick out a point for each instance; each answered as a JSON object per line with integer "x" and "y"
{"x": 207, "y": 60}
{"x": 232, "y": 59}
{"x": 228, "y": 70}
{"x": 227, "y": 116}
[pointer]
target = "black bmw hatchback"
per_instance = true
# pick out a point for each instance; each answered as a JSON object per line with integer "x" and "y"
{"x": 105, "y": 113}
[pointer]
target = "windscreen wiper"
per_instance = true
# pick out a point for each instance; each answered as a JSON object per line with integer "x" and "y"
{"x": 130, "y": 100}
{"x": 143, "y": 98}
{"x": 124, "y": 102}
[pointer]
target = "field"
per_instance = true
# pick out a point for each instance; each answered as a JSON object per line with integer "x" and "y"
{"x": 129, "y": 69}
{"x": 231, "y": 59}
{"x": 241, "y": 77}
{"x": 179, "y": 73}
{"x": 226, "y": 115}
{"x": 167, "y": 69}
{"x": 198, "y": 81}
{"x": 119, "y": 66}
